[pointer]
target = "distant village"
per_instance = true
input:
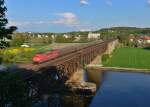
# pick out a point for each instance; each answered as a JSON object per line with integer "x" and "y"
{"x": 65, "y": 35}
{"x": 29, "y": 37}
{"x": 89, "y": 36}
{"x": 139, "y": 40}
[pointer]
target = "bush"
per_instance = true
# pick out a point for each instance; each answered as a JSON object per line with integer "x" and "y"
{"x": 105, "y": 57}
{"x": 62, "y": 39}
{"x": 17, "y": 54}
{"x": 1, "y": 60}
{"x": 16, "y": 42}
{"x": 1, "y": 57}
{"x": 13, "y": 91}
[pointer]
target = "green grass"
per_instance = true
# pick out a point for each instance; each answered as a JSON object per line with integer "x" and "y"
{"x": 129, "y": 58}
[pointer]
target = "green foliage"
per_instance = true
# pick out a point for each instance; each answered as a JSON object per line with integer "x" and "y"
{"x": 1, "y": 59}
{"x": 4, "y": 32}
{"x": 130, "y": 58}
{"x": 17, "y": 39}
{"x": 32, "y": 39}
{"x": 62, "y": 39}
{"x": 13, "y": 90}
{"x": 39, "y": 41}
{"x": 18, "y": 54}
{"x": 105, "y": 58}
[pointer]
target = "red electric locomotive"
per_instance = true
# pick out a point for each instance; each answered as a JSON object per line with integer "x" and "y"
{"x": 44, "y": 57}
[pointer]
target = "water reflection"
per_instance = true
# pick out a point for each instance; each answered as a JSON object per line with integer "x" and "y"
{"x": 123, "y": 89}
{"x": 71, "y": 100}
{"x": 62, "y": 97}
{"x": 65, "y": 100}
{"x": 95, "y": 76}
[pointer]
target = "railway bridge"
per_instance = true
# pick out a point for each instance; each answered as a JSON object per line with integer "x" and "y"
{"x": 59, "y": 70}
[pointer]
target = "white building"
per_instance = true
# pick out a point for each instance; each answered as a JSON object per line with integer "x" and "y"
{"x": 46, "y": 36}
{"x": 66, "y": 36}
{"x": 39, "y": 36}
{"x": 93, "y": 35}
{"x": 77, "y": 38}
{"x": 147, "y": 39}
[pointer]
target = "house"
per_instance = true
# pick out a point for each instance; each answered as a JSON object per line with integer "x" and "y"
{"x": 77, "y": 38}
{"x": 39, "y": 36}
{"x": 131, "y": 38}
{"x": 146, "y": 39}
{"x": 66, "y": 36}
{"x": 142, "y": 39}
{"x": 46, "y": 36}
{"x": 93, "y": 35}
{"x": 53, "y": 36}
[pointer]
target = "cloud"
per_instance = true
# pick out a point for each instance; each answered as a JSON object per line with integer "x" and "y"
{"x": 148, "y": 1}
{"x": 26, "y": 24}
{"x": 109, "y": 3}
{"x": 66, "y": 18}
{"x": 86, "y": 29}
{"x": 84, "y": 2}
{"x": 18, "y": 23}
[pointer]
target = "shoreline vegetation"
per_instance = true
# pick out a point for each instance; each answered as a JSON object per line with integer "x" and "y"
{"x": 132, "y": 70}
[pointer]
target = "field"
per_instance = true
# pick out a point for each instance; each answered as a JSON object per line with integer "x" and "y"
{"x": 127, "y": 57}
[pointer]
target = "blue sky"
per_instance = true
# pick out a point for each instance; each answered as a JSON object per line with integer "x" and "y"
{"x": 74, "y": 15}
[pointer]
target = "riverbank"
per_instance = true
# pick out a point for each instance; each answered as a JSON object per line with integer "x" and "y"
{"x": 127, "y": 69}
{"x": 118, "y": 69}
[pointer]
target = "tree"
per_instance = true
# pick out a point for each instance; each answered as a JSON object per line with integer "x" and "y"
{"x": 5, "y": 33}
{"x": 14, "y": 92}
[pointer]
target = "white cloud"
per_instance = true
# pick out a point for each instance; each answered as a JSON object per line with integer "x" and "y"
{"x": 87, "y": 29}
{"x": 67, "y": 18}
{"x": 18, "y": 23}
{"x": 26, "y": 24}
{"x": 148, "y": 1}
{"x": 84, "y": 2}
{"x": 109, "y": 3}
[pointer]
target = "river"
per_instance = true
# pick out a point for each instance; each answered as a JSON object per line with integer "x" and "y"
{"x": 123, "y": 89}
